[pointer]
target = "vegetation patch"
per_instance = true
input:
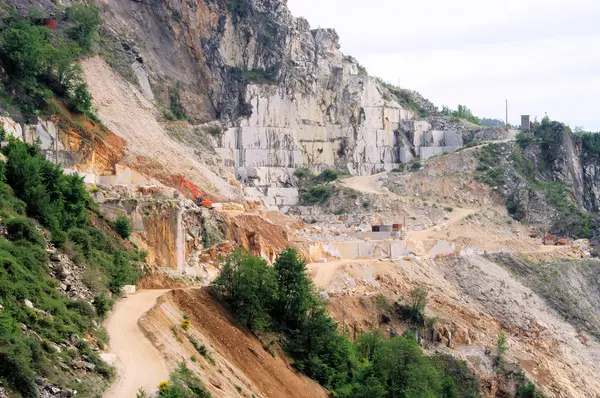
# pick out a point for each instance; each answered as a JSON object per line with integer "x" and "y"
{"x": 182, "y": 384}
{"x": 316, "y": 189}
{"x": 41, "y": 65}
{"x": 405, "y": 97}
{"x": 282, "y": 299}
{"x": 260, "y": 76}
{"x": 461, "y": 112}
{"x": 39, "y": 202}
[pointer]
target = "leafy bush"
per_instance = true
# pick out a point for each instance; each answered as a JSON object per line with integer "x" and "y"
{"x": 103, "y": 304}
{"x": 21, "y": 228}
{"x": 176, "y": 110}
{"x": 123, "y": 227}
{"x": 317, "y": 195}
{"x": 416, "y": 165}
{"x": 86, "y": 19}
{"x": 303, "y": 173}
{"x": 328, "y": 175}
{"x": 260, "y": 76}
{"x": 591, "y": 142}
{"x": 413, "y": 308}
{"x": 528, "y": 391}
{"x": 183, "y": 384}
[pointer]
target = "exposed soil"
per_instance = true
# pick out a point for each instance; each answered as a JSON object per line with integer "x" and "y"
{"x": 236, "y": 363}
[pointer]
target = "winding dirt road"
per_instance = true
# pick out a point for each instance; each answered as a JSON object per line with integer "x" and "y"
{"x": 138, "y": 363}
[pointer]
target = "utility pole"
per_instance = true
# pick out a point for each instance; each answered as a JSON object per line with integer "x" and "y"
{"x": 507, "y": 112}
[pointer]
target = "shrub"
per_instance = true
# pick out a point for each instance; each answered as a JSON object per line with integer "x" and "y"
{"x": 591, "y": 142}
{"x": 328, "y": 175}
{"x": 185, "y": 324}
{"x": 175, "y": 106}
{"x": 87, "y": 19}
{"x": 528, "y": 391}
{"x": 413, "y": 308}
{"x": 123, "y": 227}
{"x": 21, "y": 228}
{"x": 416, "y": 165}
{"x": 260, "y": 76}
{"x": 103, "y": 304}
{"x": 183, "y": 384}
{"x": 303, "y": 173}
{"x": 501, "y": 346}
{"x": 317, "y": 195}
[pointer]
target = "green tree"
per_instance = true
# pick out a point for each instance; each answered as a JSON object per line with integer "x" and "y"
{"x": 319, "y": 350}
{"x": 248, "y": 285}
{"x": 87, "y": 19}
{"x": 367, "y": 343}
{"x": 254, "y": 293}
{"x": 295, "y": 290}
{"x": 405, "y": 371}
{"x": 123, "y": 227}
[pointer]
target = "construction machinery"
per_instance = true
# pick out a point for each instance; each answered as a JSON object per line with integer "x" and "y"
{"x": 185, "y": 183}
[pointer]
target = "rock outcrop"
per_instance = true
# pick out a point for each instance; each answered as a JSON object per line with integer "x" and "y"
{"x": 289, "y": 97}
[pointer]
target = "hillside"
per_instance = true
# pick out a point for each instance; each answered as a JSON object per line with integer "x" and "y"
{"x": 359, "y": 242}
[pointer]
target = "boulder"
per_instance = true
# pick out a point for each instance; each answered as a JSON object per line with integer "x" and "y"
{"x": 127, "y": 290}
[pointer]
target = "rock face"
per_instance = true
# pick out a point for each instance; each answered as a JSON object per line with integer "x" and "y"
{"x": 289, "y": 96}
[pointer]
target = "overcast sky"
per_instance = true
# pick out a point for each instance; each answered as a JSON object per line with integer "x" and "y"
{"x": 541, "y": 55}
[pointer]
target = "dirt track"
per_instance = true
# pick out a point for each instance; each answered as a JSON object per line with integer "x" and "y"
{"x": 139, "y": 364}
{"x": 366, "y": 184}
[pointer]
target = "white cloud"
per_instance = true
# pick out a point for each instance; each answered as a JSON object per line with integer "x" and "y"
{"x": 540, "y": 54}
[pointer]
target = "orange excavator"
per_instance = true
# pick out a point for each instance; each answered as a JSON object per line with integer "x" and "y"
{"x": 185, "y": 183}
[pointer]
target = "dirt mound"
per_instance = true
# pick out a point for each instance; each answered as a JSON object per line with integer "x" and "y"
{"x": 234, "y": 361}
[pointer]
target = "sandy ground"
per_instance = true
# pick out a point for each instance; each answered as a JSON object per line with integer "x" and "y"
{"x": 139, "y": 364}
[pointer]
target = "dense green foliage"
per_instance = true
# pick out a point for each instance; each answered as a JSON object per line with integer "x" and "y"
{"x": 282, "y": 299}
{"x": 86, "y": 19}
{"x": 591, "y": 142}
{"x": 40, "y": 64}
{"x": 461, "y": 112}
{"x": 183, "y": 384}
{"x": 33, "y": 187}
{"x": 123, "y": 227}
